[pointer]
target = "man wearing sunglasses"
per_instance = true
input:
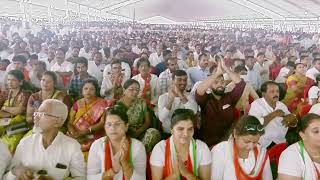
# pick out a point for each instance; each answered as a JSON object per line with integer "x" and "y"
{"x": 48, "y": 152}
{"x": 273, "y": 114}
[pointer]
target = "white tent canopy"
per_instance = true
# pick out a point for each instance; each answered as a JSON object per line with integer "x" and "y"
{"x": 175, "y": 10}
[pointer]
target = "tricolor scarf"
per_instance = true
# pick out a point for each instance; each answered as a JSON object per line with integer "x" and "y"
{"x": 257, "y": 171}
{"x": 108, "y": 156}
{"x": 310, "y": 170}
{"x": 170, "y": 158}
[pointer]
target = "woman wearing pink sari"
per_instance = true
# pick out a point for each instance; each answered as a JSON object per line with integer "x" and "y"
{"x": 86, "y": 122}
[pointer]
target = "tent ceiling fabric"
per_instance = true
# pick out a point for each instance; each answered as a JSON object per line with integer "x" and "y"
{"x": 185, "y": 10}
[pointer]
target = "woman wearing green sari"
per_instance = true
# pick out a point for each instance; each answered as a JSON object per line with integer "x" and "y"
{"x": 139, "y": 116}
{"x": 13, "y": 110}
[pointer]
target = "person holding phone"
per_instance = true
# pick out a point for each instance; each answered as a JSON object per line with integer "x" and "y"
{"x": 48, "y": 152}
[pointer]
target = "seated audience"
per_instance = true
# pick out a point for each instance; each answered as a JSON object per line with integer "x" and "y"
{"x": 75, "y": 89}
{"x": 241, "y": 156}
{"x": 148, "y": 83}
{"x": 296, "y": 84}
{"x": 165, "y": 78}
{"x": 314, "y": 92}
{"x": 48, "y": 152}
{"x": 62, "y": 67}
{"x": 139, "y": 115}
{"x": 13, "y": 109}
{"x": 86, "y": 116}
{"x": 36, "y": 73}
{"x": 272, "y": 114}
{"x": 117, "y": 156}
{"x": 301, "y": 160}
{"x": 176, "y": 98}
{"x": 181, "y": 156}
{"x": 48, "y": 91}
{"x": 111, "y": 87}
{"x": 200, "y": 72}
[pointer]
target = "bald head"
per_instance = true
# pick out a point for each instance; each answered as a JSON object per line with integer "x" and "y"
{"x": 56, "y": 107}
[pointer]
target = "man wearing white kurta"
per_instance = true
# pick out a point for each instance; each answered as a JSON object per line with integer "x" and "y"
{"x": 48, "y": 150}
{"x": 176, "y": 98}
{"x": 272, "y": 114}
{"x": 5, "y": 158}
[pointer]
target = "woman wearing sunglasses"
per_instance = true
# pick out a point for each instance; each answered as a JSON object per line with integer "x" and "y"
{"x": 181, "y": 156}
{"x": 116, "y": 156}
{"x": 241, "y": 157}
{"x": 302, "y": 159}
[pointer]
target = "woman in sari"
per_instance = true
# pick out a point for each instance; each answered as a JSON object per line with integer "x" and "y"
{"x": 181, "y": 156}
{"x": 48, "y": 90}
{"x": 13, "y": 110}
{"x": 86, "y": 122}
{"x": 241, "y": 157}
{"x": 117, "y": 156}
{"x": 302, "y": 159}
{"x": 296, "y": 84}
{"x": 148, "y": 83}
{"x": 139, "y": 115}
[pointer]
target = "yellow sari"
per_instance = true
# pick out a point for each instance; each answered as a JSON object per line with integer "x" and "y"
{"x": 13, "y": 140}
{"x": 86, "y": 115}
{"x": 295, "y": 92}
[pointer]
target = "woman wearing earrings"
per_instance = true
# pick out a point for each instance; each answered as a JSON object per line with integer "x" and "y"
{"x": 116, "y": 156}
{"x": 302, "y": 159}
{"x": 241, "y": 157}
{"x": 181, "y": 156}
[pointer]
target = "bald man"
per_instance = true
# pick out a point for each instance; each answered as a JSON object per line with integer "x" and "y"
{"x": 48, "y": 152}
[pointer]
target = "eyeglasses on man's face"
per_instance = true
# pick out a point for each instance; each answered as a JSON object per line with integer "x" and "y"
{"x": 41, "y": 114}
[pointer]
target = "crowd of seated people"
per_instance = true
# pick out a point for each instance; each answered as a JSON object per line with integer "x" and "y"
{"x": 117, "y": 100}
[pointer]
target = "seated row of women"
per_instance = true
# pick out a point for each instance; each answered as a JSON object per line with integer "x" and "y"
{"x": 85, "y": 122}
{"x": 117, "y": 156}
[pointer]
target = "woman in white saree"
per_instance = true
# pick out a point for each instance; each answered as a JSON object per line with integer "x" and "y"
{"x": 241, "y": 157}
{"x": 301, "y": 161}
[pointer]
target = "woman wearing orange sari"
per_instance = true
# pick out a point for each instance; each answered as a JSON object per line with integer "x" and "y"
{"x": 296, "y": 84}
{"x": 86, "y": 122}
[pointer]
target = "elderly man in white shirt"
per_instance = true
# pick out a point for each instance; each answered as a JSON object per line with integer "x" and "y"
{"x": 273, "y": 114}
{"x": 315, "y": 70}
{"x": 48, "y": 152}
{"x": 5, "y": 158}
{"x": 176, "y": 98}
